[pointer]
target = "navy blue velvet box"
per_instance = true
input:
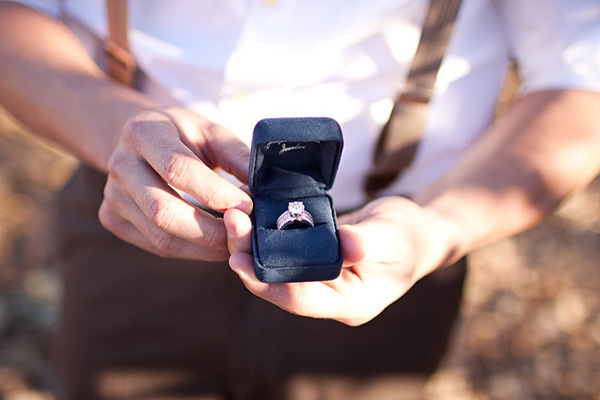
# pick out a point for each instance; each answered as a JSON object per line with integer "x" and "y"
{"x": 295, "y": 159}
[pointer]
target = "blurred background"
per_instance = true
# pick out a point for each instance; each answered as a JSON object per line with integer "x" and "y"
{"x": 530, "y": 325}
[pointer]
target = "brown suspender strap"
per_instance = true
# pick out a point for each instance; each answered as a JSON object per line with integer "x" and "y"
{"x": 121, "y": 64}
{"x": 400, "y": 137}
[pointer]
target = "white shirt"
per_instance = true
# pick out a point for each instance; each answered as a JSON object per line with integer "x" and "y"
{"x": 238, "y": 61}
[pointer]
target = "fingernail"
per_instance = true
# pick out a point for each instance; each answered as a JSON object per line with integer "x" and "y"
{"x": 244, "y": 206}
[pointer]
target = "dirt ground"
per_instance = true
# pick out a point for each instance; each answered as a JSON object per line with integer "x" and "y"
{"x": 530, "y": 325}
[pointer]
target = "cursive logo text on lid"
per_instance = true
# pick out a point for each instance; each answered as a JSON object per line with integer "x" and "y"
{"x": 285, "y": 149}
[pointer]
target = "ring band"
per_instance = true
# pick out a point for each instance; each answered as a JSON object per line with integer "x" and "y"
{"x": 295, "y": 213}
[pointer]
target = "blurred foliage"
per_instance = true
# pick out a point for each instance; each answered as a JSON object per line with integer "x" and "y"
{"x": 30, "y": 174}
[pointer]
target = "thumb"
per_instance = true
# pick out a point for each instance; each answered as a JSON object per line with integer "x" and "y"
{"x": 353, "y": 244}
{"x": 239, "y": 231}
{"x": 370, "y": 241}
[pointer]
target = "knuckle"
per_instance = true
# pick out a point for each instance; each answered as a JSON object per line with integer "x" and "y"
{"x": 117, "y": 165}
{"x": 135, "y": 129}
{"x": 211, "y": 195}
{"x": 145, "y": 126}
{"x": 214, "y": 239}
{"x": 165, "y": 244}
{"x": 109, "y": 197}
{"x": 160, "y": 213}
{"x": 175, "y": 169}
{"x": 105, "y": 217}
{"x": 110, "y": 220}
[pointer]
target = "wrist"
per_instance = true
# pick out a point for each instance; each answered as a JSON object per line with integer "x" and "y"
{"x": 445, "y": 242}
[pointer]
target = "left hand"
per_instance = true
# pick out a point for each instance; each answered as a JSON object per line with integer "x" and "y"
{"x": 388, "y": 245}
{"x": 165, "y": 148}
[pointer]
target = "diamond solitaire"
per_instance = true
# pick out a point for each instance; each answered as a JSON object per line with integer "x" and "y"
{"x": 295, "y": 213}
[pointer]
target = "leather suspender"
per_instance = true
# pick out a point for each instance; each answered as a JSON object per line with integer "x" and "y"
{"x": 397, "y": 145}
{"x": 400, "y": 137}
{"x": 121, "y": 64}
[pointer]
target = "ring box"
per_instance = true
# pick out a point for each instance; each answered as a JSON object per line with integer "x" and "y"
{"x": 295, "y": 159}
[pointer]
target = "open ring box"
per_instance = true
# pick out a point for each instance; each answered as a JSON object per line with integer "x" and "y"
{"x": 295, "y": 159}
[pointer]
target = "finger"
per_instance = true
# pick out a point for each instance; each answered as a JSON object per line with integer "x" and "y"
{"x": 157, "y": 140}
{"x": 243, "y": 265}
{"x": 156, "y": 210}
{"x": 353, "y": 245}
{"x": 229, "y": 152}
{"x": 285, "y": 296}
{"x": 239, "y": 231}
{"x": 313, "y": 299}
{"x": 224, "y": 151}
{"x": 246, "y": 189}
{"x": 174, "y": 248}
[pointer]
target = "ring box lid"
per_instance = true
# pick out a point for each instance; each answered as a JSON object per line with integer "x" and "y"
{"x": 294, "y": 157}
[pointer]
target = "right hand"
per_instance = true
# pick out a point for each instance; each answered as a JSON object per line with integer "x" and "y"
{"x": 174, "y": 148}
{"x": 388, "y": 245}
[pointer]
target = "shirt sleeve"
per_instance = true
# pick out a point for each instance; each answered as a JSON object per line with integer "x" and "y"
{"x": 49, "y": 7}
{"x": 556, "y": 43}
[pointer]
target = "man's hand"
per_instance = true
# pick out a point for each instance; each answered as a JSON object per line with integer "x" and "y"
{"x": 544, "y": 148}
{"x": 388, "y": 245}
{"x": 108, "y": 126}
{"x": 162, "y": 150}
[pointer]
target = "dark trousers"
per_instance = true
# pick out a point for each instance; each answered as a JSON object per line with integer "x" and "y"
{"x": 137, "y": 326}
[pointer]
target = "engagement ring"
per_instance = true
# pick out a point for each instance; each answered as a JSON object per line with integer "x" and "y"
{"x": 295, "y": 213}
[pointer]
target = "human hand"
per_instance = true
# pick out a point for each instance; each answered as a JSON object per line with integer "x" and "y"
{"x": 174, "y": 148}
{"x": 388, "y": 245}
